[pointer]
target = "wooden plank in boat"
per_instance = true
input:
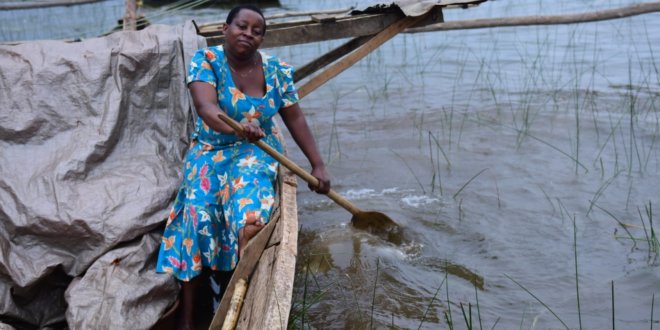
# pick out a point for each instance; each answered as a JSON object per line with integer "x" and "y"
{"x": 269, "y": 267}
{"x": 268, "y": 301}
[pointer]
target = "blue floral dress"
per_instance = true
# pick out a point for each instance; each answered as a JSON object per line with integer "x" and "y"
{"x": 226, "y": 180}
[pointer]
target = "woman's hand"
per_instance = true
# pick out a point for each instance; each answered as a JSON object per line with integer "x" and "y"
{"x": 297, "y": 125}
{"x": 324, "y": 181}
{"x": 252, "y": 133}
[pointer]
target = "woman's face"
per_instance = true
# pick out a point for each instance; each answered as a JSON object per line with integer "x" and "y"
{"x": 245, "y": 33}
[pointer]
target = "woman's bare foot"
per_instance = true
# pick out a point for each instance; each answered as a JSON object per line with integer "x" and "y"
{"x": 252, "y": 227}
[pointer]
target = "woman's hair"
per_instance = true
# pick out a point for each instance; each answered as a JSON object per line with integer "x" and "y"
{"x": 234, "y": 11}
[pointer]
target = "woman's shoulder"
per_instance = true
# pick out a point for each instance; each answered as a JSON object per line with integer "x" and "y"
{"x": 277, "y": 67}
{"x": 211, "y": 52}
{"x": 276, "y": 62}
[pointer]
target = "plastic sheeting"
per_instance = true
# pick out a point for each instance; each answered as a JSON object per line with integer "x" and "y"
{"x": 92, "y": 136}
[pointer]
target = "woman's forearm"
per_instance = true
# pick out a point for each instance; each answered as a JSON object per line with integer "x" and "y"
{"x": 206, "y": 104}
{"x": 297, "y": 125}
{"x": 209, "y": 114}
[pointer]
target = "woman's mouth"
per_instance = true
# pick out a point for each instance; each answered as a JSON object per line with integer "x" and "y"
{"x": 245, "y": 43}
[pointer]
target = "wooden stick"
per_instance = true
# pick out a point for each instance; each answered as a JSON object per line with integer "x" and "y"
{"x": 350, "y": 59}
{"x": 295, "y": 168}
{"x": 329, "y": 57}
{"x": 235, "y": 305}
{"x": 601, "y": 15}
{"x": 245, "y": 267}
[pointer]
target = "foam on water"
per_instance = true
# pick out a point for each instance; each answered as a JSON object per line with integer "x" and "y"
{"x": 420, "y": 201}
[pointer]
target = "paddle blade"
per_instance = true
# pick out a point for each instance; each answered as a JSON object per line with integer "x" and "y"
{"x": 378, "y": 224}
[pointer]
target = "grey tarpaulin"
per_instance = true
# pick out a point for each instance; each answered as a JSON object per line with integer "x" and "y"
{"x": 92, "y": 135}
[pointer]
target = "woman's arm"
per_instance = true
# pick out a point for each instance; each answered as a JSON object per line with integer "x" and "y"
{"x": 205, "y": 99}
{"x": 297, "y": 125}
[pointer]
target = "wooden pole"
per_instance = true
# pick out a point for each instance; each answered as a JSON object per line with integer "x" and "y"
{"x": 329, "y": 58}
{"x": 601, "y": 15}
{"x": 244, "y": 269}
{"x": 130, "y": 16}
{"x": 235, "y": 305}
{"x": 364, "y": 50}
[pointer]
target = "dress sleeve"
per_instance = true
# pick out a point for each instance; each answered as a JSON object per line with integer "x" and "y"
{"x": 201, "y": 68}
{"x": 287, "y": 88}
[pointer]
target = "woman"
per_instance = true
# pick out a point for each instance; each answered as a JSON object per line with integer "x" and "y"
{"x": 228, "y": 188}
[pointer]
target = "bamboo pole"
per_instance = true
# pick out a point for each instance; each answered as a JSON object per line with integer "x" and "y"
{"x": 601, "y": 15}
{"x": 235, "y": 305}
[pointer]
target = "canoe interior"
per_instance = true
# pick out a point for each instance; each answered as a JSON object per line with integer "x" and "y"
{"x": 268, "y": 264}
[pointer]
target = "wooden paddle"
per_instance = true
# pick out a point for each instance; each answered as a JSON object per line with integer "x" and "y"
{"x": 372, "y": 221}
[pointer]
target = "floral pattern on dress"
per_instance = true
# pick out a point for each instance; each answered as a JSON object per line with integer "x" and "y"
{"x": 226, "y": 180}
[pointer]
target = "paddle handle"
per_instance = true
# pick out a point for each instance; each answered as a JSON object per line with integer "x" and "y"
{"x": 337, "y": 198}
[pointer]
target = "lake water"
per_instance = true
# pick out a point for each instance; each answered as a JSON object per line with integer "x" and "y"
{"x": 506, "y": 154}
{"x": 510, "y": 156}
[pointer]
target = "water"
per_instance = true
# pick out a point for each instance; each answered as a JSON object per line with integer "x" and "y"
{"x": 508, "y": 156}
{"x": 60, "y": 22}
{"x": 493, "y": 149}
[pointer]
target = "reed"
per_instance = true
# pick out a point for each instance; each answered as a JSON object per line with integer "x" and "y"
{"x": 411, "y": 170}
{"x": 613, "y": 312}
{"x": 468, "y": 182}
{"x": 497, "y": 190}
{"x": 419, "y": 125}
{"x": 467, "y": 317}
{"x": 428, "y": 307}
{"x": 577, "y": 278}
{"x": 577, "y": 113}
{"x": 300, "y": 310}
{"x": 631, "y": 111}
{"x": 611, "y": 136}
{"x": 476, "y": 297}
{"x": 621, "y": 224}
{"x": 481, "y": 121}
{"x": 435, "y": 165}
{"x": 653, "y": 61}
{"x": 461, "y": 212}
{"x": 651, "y": 237}
{"x": 524, "y": 116}
{"x": 600, "y": 191}
{"x": 538, "y": 300}
{"x": 547, "y": 197}
{"x": 525, "y": 91}
{"x": 652, "y": 308}
{"x": 448, "y": 316}
{"x": 439, "y": 148}
{"x": 334, "y": 131}
{"x": 373, "y": 296}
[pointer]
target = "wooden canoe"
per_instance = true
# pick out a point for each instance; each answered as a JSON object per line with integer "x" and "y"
{"x": 268, "y": 266}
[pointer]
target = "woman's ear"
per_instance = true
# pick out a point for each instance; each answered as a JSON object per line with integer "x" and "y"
{"x": 225, "y": 26}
